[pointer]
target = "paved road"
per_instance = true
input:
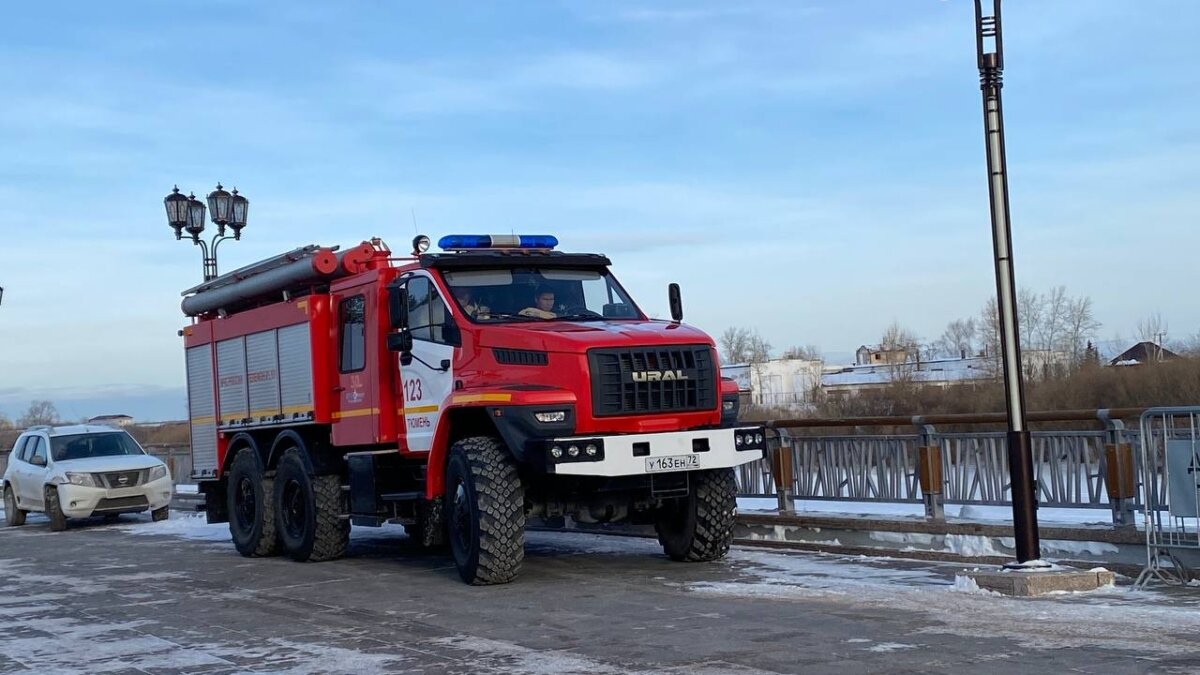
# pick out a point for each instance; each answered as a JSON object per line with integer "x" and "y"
{"x": 106, "y": 598}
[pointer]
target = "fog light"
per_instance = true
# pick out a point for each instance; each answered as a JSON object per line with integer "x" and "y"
{"x": 591, "y": 450}
{"x": 737, "y": 439}
{"x": 727, "y": 406}
{"x": 556, "y": 452}
{"x": 758, "y": 438}
{"x": 551, "y": 417}
{"x": 573, "y": 451}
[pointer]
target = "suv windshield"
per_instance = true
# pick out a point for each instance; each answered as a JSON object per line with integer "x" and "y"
{"x": 82, "y": 446}
{"x": 540, "y": 294}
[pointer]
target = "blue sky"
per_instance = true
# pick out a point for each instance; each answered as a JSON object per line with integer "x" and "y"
{"x": 810, "y": 169}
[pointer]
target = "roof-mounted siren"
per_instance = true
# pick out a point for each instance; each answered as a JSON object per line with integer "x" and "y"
{"x": 420, "y": 244}
{"x": 478, "y": 242}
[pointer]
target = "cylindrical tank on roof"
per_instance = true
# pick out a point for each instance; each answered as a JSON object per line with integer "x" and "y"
{"x": 315, "y": 266}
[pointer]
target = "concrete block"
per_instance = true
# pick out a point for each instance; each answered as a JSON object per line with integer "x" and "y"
{"x": 1028, "y": 584}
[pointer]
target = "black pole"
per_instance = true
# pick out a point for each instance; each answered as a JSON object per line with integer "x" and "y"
{"x": 1020, "y": 455}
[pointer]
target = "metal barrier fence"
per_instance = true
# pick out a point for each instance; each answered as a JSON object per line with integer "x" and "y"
{"x": 1170, "y": 449}
{"x": 1085, "y": 468}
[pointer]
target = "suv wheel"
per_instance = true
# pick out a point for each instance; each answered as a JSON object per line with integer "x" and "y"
{"x": 58, "y": 519}
{"x": 13, "y": 517}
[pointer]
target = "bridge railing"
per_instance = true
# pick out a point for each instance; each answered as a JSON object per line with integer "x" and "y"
{"x": 854, "y": 459}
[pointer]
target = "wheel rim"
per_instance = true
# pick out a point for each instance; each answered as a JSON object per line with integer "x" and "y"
{"x": 460, "y": 520}
{"x": 247, "y": 505}
{"x": 294, "y": 509}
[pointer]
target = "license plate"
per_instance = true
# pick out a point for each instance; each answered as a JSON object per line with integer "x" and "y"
{"x": 673, "y": 463}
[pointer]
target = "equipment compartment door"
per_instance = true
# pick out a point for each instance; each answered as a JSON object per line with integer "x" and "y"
{"x": 426, "y": 381}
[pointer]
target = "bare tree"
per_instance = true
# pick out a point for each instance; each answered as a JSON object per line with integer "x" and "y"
{"x": 959, "y": 338}
{"x": 5, "y": 423}
{"x": 39, "y": 412}
{"x": 1153, "y": 328}
{"x": 1081, "y": 329}
{"x": 744, "y": 345}
{"x": 806, "y": 352}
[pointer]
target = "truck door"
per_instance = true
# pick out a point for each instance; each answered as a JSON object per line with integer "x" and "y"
{"x": 427, "y": 380}
{"x": 357, "y": 411}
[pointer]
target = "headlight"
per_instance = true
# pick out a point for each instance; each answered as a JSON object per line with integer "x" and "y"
{"x": 727, "y": 405}
{"x": 551, "y": 417}
{"x": 158, "y": 472}
{"x": 83, "y": 479}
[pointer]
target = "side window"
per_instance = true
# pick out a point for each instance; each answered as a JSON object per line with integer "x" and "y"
{"x": 418, "y": 308}
{"x": 427, "y": 315}
{"x": 39, "y": 450}
{"x": 19, "y": 448}
{"x": 352, "y": 317}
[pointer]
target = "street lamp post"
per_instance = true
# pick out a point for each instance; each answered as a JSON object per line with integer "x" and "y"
{"x": 186, "y": 214}
{"x": 990, "y": 49}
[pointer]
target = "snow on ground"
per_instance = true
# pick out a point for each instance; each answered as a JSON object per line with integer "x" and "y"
{"x": 968, "y": 512}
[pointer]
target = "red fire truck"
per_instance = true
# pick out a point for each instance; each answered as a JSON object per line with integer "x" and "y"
{"x": 458, "y": 393}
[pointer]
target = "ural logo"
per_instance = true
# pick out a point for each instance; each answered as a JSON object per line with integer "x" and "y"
{"x": 658, "y": 375}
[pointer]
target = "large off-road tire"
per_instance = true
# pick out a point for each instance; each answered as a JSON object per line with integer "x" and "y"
{"x": 250, "y": 507}
{"x": 58, "y": 519}
{"x": 484, "y": 511}
{"x": 13, "y": 517}
{"x": 699, "y": 527}
{"x": 309, "y": 511}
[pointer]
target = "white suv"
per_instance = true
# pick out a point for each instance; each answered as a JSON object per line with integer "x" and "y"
{"x": 81, "y": 471}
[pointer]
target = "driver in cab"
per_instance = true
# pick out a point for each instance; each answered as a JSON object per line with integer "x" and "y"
{"x": 543, "y": 305}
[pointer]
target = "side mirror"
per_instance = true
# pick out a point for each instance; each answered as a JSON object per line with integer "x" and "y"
{"x": 398, "y": 306}
{"x": 676, "y": 303}
{"x": 402, "y": 343}
{"x": 37, "y": 461}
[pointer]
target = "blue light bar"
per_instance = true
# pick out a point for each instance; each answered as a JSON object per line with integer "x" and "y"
{"x": 463, "y": 242}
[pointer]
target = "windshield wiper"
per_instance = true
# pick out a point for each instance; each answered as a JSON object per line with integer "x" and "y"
{"x": 506, "y": 315}
{"x": 580, "y": 317}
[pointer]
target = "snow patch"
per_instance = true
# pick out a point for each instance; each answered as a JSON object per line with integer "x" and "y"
{"x": 890, "y": 647}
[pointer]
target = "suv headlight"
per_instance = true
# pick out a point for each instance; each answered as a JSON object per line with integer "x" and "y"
{"x": 157, "y": 472}
{"x": 82, "y": 479}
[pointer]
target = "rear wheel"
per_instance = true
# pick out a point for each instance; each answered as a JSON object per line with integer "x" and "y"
{"x": 484, "y": 511}
{"x": 58, "y": 519}
{"x": 251, "y": 510}
{"x": 13, "y": 517}
{"x": 699, "y": 527}
{"x": 309, "y": 511}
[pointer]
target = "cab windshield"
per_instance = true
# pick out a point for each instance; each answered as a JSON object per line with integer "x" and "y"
{"x": 82, "y": 446}
{"x": 514, "y": 294}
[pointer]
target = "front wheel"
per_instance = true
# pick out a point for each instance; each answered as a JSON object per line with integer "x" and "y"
{"x": 699, "y": 527}
{"x": 58, "y": 519}
{"x": 309, "y": 511}
{"x": 484, "y": 511}
{"x": 13, "y": 517}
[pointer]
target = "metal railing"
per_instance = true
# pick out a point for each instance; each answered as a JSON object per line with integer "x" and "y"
{"x": 1083, "y": 468}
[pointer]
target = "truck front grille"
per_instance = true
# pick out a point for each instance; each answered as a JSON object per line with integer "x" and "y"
{"x": 643, "y": 380}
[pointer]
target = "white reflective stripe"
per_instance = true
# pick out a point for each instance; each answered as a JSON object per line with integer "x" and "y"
{"x": 619, "y": 460}
{"x": 502, "y": 240}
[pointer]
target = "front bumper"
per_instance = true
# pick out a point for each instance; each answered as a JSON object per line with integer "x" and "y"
{"x": 79, "y": 501}
{"x": 643, "y": 454}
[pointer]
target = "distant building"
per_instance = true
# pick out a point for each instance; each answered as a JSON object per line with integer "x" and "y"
{"x": 777, "y": 383}
{"x": 850, "y": 380}
{"x": 873, "y": 356}
{"x": 111, "y": 420}
{"x": 1143, "y": 352}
